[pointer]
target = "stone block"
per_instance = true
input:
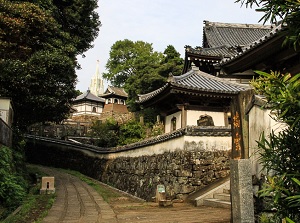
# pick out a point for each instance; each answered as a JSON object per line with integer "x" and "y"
{"x": 165, "y": 203}
{"x": 47, "y": 186}
{"x": 242, "y": 206}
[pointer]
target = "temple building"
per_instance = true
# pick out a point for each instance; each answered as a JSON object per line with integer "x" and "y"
{"x": 97, "y": 83}
{"x": 193, "y": 99}
{"x": 223, "y": 41}
{"x": 115, "y": 100}
{"x": 222, "y": 68}
{"x": 87, "y": 105}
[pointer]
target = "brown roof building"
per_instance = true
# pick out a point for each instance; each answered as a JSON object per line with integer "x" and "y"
{"x": 115, "y": 100}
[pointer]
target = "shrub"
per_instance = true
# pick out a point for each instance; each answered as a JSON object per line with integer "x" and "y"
{"x": 131, "y": 132}
{"x": 12, "y": 186}
{"x": 280, "y": 153}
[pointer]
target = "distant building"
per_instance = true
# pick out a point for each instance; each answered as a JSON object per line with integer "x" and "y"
{"x": 88, "y": 107}
{"x": 97, "y": 84}
{"x": 115, "y": 100}
{"x": 88, "y": 104}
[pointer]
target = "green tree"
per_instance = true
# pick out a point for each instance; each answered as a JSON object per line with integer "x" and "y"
{"x": 134, "y": 66}
{"x": 139, "y": 69}
{"x": 39, "y": 42}
{"x": 285, "y": 11}
{"x": 130, "y": 59}
{"x": 78, "y": 19}
{"x": 171, "y": 63}
{"x": 131, "y": 132}
{"x": 105, "y": 134}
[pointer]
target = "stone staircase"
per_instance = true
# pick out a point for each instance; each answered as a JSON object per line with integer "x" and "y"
{"x": 221, "y": 200}
{"x": 218, "y": 195}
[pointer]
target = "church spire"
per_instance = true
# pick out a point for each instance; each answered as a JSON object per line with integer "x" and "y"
{"x": 97, "y": 85}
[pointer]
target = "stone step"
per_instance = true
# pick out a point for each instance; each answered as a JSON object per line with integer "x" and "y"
{"x": 226, "y": 191}
{"x": 213, "y": 202}
{"x": 222, "y": 197}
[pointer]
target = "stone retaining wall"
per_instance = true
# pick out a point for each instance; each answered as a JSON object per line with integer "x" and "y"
{"x": 182, "y": 172}
{"x": 183, "y": 164}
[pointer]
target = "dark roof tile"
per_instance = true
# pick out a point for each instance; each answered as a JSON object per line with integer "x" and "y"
{"x": 116, "y": 91}
{"x": 89, "y": 96}
{"x": 253, "y": 45}
{"x": 231, "y": 35}
{"x": 198, "y": 81}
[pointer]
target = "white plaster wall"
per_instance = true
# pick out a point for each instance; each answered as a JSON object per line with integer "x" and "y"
{"x": 87, "y": 108}
{"x": 259, "y": 121}
{"x": 210, "y": 143}
{"x": 193, "y": 116}
{"x": 158, "y": 148}
{"x": 177, "y": 115}
{"x": 5, "y": 107}
{"x": 4, "y": 104}
{"x": 181, "y": 143}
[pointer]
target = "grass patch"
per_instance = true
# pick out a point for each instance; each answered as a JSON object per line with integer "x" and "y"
{"x": 35, "y": 206}
{"x": 107, "y": 193}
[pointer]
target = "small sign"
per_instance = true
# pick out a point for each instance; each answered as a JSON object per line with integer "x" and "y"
{"x": 161, "y": 188}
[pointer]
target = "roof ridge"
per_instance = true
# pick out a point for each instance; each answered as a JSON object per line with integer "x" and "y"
{"x": 250, "y": 46}
{"x": 206, "y": 75}
{"x": 212, "y": 77}
{"x": 236, "y": 25}
{"x": 183, "y": 76}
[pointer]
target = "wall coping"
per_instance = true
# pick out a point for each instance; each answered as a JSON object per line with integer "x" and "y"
{"x": 208, "y": 131}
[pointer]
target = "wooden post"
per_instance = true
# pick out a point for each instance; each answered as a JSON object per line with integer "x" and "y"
{"x": 182, "y": 107}
{"x": 240, "y": 125}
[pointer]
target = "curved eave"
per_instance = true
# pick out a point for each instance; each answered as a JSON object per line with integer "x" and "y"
{"x": 114, "y": 95}
{"x": 145, "y": 98}
{"x": 190, "y": 57}
{"x": 201, "y": 91}
{"x": 86, "y": 99}
{"x": 254, "y": 53}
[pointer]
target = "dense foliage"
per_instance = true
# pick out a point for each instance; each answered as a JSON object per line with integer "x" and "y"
{"x": 280, "y": 152}
{"x": 13, "y": 187}
{"x": 39, "y": 42}
{"x": 131, "y": 132}
{"x": 110, "y": 133}
{"x": 285, "y": 11}
{"x": 139, "y": 69}
{"x": 105, "y": 134}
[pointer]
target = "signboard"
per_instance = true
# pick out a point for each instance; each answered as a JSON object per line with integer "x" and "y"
{"x": 161, "y": 188}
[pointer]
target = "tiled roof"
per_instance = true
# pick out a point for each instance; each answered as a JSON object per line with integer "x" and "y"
{"x": 89, "y": 96}
{"x": 219, "y": 51}
{"x": 253, "y": 45}
{"x": 198, "y": 81}
{"x": 228, "y": 34}
{"x": 116, "y": 91}
{"x": 204, "y": 131}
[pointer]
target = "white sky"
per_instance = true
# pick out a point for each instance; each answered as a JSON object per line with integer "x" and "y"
{"x": 160, "y": 22}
